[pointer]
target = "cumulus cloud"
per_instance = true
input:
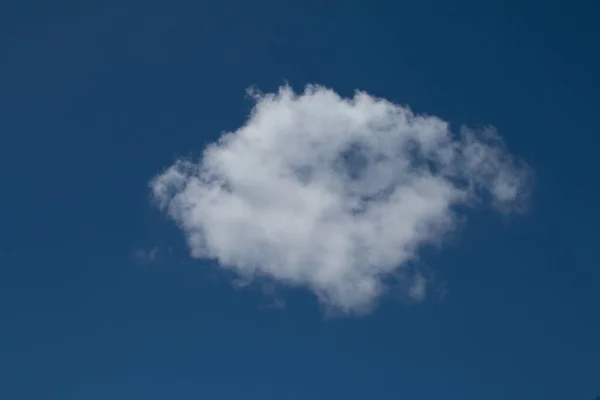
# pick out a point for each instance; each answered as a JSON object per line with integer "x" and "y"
{"x": 334, "y": 194}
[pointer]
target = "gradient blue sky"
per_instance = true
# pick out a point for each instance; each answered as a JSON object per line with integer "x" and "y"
{"x": 96, "y": 97}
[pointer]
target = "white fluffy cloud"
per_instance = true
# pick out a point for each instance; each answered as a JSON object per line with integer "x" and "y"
{"x": 334, "y": 194}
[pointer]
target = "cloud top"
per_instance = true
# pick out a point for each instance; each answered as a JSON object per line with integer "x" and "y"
{"x": 334, "y": 194}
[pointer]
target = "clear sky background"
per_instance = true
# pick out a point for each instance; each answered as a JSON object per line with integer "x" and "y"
{"x": 99, "y": 298}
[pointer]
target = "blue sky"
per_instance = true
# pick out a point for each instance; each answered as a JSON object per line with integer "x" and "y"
{"x": 99, "y": 297}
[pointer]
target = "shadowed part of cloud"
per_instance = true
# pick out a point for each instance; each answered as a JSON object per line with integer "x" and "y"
{"x": 334, "y": 194}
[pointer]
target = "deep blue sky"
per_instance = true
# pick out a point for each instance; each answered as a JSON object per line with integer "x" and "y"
{"x": 98, "y": 96}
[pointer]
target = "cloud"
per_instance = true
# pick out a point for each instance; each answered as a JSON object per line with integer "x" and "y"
{"x": 335, "y": 194}
{"x": 418, "y": 288}
{"x": 146, "y": 255}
